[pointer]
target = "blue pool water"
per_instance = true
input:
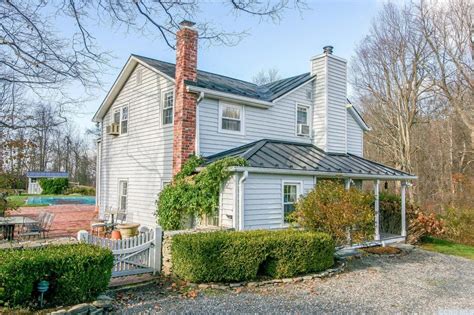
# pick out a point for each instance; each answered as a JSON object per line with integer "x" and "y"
{"x": 70, "y": 200}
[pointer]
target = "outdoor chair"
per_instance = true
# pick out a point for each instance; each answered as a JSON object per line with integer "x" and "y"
{"x": 42, "y": 227}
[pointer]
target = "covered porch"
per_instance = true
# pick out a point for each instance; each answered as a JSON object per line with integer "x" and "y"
{"x": 272, "y": 162}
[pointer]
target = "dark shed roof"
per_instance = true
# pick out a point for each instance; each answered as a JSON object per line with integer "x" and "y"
{"x": 220, "y": 83}
{"x": 306, "y": 157}
{"x": 34, "y": 174}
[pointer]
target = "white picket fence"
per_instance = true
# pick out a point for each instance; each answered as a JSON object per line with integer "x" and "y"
{"x": 132, "y": 256}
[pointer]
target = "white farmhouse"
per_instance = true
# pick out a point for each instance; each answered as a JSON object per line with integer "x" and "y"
{"x": 291, "y": 132}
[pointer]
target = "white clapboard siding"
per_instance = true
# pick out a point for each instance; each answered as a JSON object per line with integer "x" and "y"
{"x": 330, "y": 99}
{"x": 228, "y": 202}
{"x": 277, "y": 122}
{"x": 355, "y": 137}
{"x": 143, "y": 157}
{"x": 263, "y": 205}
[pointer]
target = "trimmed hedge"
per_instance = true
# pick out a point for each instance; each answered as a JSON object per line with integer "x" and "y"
{"x": 238, "y": 256}
{"x": 53, "y": 186}
{"x": 76, "y": 273}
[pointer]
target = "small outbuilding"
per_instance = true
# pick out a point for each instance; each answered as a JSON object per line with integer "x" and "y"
{"x": 34, "y": 177}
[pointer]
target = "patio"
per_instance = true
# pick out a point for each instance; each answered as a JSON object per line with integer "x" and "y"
{"x": 68, "y": 219}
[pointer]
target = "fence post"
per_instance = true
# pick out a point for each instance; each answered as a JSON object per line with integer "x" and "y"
{"x": 82, "y": 236}
{"x": 155, "y": 257}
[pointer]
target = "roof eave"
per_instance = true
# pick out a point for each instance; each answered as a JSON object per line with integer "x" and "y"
{"x": 229, "y": 97}
{"x": 321, "y": 174}
{"x": 355, "y": 114}
{"x": 310, "y": 79}
{"x": 120, "y": 82}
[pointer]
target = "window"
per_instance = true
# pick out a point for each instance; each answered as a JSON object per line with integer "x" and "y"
{"x": 168, "y": 102}
{"x": 124, "y": 120}
{"x": 123, "y": 193}
{"x": 231, "y": 118}
{"x": 291, "y": 192}
{"x": 210, "y": 220}
{"x": 302, "y": 120}
{"x": 121, "y": 119}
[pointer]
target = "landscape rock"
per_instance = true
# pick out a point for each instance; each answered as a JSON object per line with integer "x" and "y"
{"x": 79, "y": 309}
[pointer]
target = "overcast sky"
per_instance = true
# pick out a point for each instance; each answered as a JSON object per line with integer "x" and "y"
{"x": 287, "y": 46}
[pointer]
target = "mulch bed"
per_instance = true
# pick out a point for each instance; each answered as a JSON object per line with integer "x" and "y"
{"x": 380, "y": 250}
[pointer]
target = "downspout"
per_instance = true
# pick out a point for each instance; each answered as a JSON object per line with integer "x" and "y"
{"x": 196, "y": 143}
{"x": 241, "y": 199}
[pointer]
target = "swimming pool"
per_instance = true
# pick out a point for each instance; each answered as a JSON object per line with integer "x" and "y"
{"x": 68, "y": 200}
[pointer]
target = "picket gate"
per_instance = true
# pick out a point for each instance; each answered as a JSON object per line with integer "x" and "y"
{"x": 132, "y": 256}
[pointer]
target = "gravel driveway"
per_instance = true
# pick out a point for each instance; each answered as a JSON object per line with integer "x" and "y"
{"x": 421, "y": 282}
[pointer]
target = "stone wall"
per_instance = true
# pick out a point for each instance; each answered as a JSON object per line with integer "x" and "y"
{"x": 167, "y": 265}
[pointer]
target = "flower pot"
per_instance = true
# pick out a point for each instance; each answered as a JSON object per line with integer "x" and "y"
{"x": 128, "y": 229}
{"x": 116, "y": 235}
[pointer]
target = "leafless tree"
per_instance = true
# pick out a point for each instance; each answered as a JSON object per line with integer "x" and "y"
{"x": 266, "y": 76}
{"x": 389, "y": 69}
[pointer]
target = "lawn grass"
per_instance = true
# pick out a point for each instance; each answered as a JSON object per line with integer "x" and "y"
{"x": 447, "y": 247}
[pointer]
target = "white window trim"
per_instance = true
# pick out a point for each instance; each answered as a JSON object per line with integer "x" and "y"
{"x": 162, "y": 107}
{"x": 119, "y": 194}
{"x": 309, "y": 120}
{"x": 299, "y": 193}
{"x": 242, "y": 119}
{"x": 119, "y": 109}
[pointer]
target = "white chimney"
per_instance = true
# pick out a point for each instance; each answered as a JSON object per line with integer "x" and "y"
{"x": 330, "y": 99}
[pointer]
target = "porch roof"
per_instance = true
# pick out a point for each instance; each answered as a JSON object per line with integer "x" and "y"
{"x": 292, "y": 157}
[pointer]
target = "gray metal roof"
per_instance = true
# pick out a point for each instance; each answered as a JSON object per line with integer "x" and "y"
{"x": 35, "y": 174}
{"x": 217, "y": 82}
{"x": 274, "y": 154}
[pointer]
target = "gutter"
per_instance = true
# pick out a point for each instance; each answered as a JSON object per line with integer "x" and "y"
{"x": 241, "y": 199}
{"x": 230, "y": 97}
{"x": 196, "y": 142}
{"x": 320, "y": 174}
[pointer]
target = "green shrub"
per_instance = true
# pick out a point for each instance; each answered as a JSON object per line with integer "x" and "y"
{"x": 82, "y": 190}
{"x": 239, "y": 256}
{"x": 332, "y": 209}
{"x": 76, "y": 273}
{"x": 193, "y": 195}
{"x": 459, "y": 225}
{"x": 53, "y": 186}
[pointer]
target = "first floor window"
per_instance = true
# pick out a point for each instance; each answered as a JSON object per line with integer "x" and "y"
{"x": 211, "y": 219}
{"x": 290, "y": 196}
{"x": 231, "y": 118}
{"x": 168, "y": 102}
{"x": 123, "y": 193}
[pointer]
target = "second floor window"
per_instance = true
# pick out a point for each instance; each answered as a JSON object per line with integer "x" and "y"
{"x": 302, "y": 120}
{"x": 231, "y": 118}
{"x": 168, "y": 101}
{"x": 121, "y": 119}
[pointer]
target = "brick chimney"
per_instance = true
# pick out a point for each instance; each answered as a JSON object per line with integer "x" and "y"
{"x": 185, "y": 103}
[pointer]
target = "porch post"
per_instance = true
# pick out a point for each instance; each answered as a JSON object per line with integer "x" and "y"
{"x": 347, "y": 183}
{"x": 404, "y": 220}
{"x": 377, "y": 210}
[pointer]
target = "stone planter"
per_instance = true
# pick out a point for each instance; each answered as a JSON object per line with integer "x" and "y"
{"x": 128, "y": 229}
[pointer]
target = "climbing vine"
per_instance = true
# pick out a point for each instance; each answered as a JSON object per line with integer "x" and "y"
{"x": 192, "y": 193}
